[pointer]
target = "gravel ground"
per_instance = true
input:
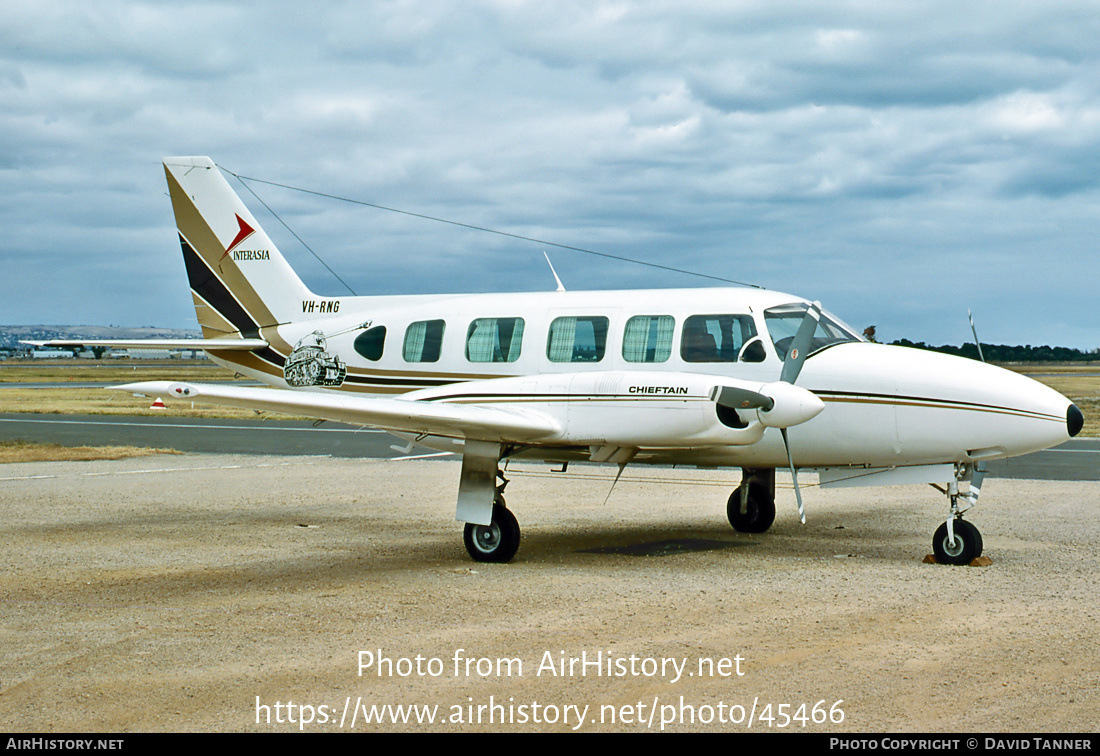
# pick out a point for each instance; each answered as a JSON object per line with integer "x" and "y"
{"x": 215, "y": 593}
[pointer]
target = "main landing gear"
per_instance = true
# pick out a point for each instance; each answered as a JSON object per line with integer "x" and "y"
{"x": 957, "y": 541}
{"x": 499, "y": 540}
{"x": 751, "y": 507}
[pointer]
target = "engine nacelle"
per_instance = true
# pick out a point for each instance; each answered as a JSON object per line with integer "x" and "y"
{"x": 643, "y": 409}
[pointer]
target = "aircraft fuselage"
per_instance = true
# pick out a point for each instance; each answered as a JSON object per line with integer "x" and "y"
{"x": 615, "y": 386}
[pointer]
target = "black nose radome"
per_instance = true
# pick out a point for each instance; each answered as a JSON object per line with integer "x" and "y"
{"x": 1074, "y": 420}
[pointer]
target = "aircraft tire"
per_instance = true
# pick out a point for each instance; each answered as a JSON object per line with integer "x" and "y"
{"x": 760, "y": 514}
{"x": 496, "y": 542}
{"x": 968, "y": 544}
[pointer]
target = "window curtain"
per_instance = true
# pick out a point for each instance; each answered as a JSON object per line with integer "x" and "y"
{"x": 648, "y": 338}
{"x": 414, "y": 342}
{"x": 563, "y": 333}
{"x": 482, "y": 340}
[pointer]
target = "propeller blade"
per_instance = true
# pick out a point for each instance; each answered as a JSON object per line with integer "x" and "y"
{"x": 792, "y": 366}
{"x": 739, "y": 398}
{"x": 800, "y": 345}
{"x": 794, "y": 476}
{"x": 974, "y": 331}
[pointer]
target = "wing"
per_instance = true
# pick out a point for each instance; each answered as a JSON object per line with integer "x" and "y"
{"x": 505, "y": 424}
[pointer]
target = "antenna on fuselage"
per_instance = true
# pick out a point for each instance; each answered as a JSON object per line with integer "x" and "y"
{"x": 561, "y": 286}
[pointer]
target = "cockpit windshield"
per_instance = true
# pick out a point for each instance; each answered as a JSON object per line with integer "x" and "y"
{"x": 783, "y": 323}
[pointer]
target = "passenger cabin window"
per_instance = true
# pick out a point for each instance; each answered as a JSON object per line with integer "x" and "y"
{"x": 423, "y": 341}
{"x": 715, "y": 338}
{"x": 648, "y": 338}
{"x": 371, "y": 342}
{"x": 577, "y": 339}
{"x": 494, "y": 340}
{"x": 783, "y": 323}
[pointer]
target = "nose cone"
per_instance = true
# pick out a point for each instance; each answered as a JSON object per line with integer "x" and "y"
{"x": 945, "y": 408}
{"x": 1074, "y": 420}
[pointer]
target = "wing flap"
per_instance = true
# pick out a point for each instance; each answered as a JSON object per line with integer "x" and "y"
{"x": 399, "y": 415}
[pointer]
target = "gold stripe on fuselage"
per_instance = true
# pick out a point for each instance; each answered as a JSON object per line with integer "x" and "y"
{"x": 935, "y": 404}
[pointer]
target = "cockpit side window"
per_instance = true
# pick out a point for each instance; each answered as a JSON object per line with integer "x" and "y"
{"x": 715, "y": 338}
{"x": 371, "y": 342}
{"x": 783, "y": 323}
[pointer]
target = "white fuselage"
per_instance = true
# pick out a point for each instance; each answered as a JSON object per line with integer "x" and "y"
{"x": 621, "y": 369}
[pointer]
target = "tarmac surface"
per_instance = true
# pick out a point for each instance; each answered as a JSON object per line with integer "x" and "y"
{"x": 213, "y": 592}
{"x": 218, "y": 435}
{"x": 1077, "y": 459}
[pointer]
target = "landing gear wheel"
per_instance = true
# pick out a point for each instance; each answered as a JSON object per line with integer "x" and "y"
{"x": 967, "y": 547}
{"x": 496, "y": 542}
{"x": 760, "y": 510}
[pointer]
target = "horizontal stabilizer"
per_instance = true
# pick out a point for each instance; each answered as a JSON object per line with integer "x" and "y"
{"x": 239, "y": 344}
{"x": 398, "y": 415}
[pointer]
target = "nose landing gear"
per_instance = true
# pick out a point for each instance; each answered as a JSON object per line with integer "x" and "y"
{"x": 958, "y": 541}
{"x": 961, "y": 545}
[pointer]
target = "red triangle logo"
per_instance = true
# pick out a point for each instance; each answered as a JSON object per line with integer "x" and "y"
{"x": 244, "y": 232}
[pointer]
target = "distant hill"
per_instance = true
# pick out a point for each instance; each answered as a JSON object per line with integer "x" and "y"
{"x": 11, "y": 335}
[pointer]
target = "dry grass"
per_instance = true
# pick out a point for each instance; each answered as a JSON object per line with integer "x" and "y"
{"x": 28, "y": 451}
{"x": 69, "y": 400}
{"x": 1080, "y": 382}
{"x": 1028, "y": 368}
{"x": 99, "y": 401}
{"x": 1090, "y": 408}
{"x": 111, "y": 371}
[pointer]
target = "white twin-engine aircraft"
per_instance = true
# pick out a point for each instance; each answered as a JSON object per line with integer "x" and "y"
{"x": 720, "y": 377}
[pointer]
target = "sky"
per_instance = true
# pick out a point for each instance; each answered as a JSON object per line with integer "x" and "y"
{"x": 900, "y": 162}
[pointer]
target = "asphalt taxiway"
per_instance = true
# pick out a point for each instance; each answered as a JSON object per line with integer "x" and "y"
{"x": 203, "y": 435}
{"x": 1077, "y": 459}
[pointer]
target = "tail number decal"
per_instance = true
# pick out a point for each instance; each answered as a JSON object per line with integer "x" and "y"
{"x": 310, "y": 306}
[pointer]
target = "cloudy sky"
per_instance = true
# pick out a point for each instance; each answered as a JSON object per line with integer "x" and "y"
{"x": 901, "y": 162}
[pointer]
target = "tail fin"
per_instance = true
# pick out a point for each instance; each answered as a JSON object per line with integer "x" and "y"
{"x": 239, "y": 280}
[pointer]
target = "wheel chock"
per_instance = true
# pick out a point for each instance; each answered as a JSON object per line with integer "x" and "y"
{"x": 982, "y": 561}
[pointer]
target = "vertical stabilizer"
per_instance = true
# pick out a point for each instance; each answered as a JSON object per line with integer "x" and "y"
{"x": 239, "y": 280}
